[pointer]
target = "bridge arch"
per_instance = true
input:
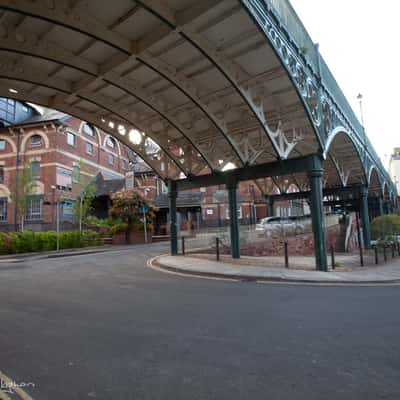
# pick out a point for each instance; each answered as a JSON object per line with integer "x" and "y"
{"x": 374, "y": 181}
{"x": 343, "y": 155}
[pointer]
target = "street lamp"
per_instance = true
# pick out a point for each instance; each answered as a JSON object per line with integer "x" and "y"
{"x": 359, "y": 98}
{"x": 53, "y": 188}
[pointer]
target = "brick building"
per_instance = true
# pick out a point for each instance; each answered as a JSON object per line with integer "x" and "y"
{"x": 62, "y": 152}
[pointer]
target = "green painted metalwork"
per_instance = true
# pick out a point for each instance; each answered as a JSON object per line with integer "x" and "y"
{"x": 317, "y": 216}
{"x": 327, "y": 107}
{"x": 234, "y": 223}
{"x": 173, "y": 194}
{"x": 365, "y": 216}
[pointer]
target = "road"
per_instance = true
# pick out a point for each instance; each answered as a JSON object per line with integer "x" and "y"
{"x": 105, "y": 326}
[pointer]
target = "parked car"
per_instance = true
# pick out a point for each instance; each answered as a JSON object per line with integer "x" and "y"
{"x": 282, "y": 226}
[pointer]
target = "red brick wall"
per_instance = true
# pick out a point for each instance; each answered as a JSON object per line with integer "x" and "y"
{"x": 54, "y": 150}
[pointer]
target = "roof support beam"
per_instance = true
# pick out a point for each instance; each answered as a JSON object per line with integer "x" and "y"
{"x": 32, "y": 46}
{"x": 217, "y": 58}
{"x": 94, "y": 119}
{"x": 273, "y": 169}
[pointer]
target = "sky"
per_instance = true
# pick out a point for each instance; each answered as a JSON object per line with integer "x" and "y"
{"x": 359, "y": 40}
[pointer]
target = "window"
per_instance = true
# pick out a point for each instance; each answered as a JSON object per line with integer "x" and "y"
{"x": 76, "y": 174}
{"x": 123, "y": 164}
{"x": 3, "y": 208}
{"x": 7, "y": 109}
{"x": 35, "y": 169}
{"x": 1, "y": 174}
{"x": 25, "y": 109}
{"x": 89, "y": 148}
{"x": 36, "y": 140}
{"x": 2, "y": 144}
{"x": 34, "y": 211}
{"x": 110, "y": 142}
{"x": 70, "y": 139}
{"x": 64, "y": 177}
{"x": 88, "y": 129}
{"x": 110, "y": 159}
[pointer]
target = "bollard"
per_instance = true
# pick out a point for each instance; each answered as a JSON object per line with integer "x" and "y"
{"x": 217, "y": 247}
{"x": 183, "y": 245}
{"x": 398, "y": 248}
{"x": 286, "y": 255}
{"x": 361, "y": 255}
{"x": 333, "y": 257}
{"x": 384, "y": 252}
{"x": 376, "y": 254}
{"x": 359, "y": 241}
{"x": 392, "y": 250}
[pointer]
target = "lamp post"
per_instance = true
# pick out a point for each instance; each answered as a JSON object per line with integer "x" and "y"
{"x": 56, "y": 203}
{"x": 360, "y": 98}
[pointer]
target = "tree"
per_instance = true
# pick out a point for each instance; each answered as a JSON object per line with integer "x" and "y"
{"x": 128, "y": 205}
{"x": 24, "y": 187}
{"x": 83, "y": 202}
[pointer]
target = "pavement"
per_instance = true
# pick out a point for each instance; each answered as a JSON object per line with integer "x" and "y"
{"x": 105, "y": 326}
{"x": 268, "y": 269}
{"x": 19, "y": 257}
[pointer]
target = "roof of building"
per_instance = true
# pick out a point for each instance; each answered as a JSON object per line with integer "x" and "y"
{"x": 107, "y": 183}
{"x": 188, "y": 199}
{"x": 47, "y": 115}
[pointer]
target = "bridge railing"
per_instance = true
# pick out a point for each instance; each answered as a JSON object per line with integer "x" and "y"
{"x": 285, "y": 13}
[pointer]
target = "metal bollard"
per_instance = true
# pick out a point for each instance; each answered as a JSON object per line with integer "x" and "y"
{"x": 384, "y": 252}
{"x": 183, "y": 245}
{"x": 286, "y": 255}
{"x": 361, "y": 255}
{"x": 376, "y": 254}
{"x": 398, "y": 248}
{"x": 393, "y": 250}
{"x": 217, "y": 247}
{"x": 333, "y": 257}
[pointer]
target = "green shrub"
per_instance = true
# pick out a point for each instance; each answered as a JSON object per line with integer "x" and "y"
{"x": 385, "y": 226}
{"x": 49, "y": 240}
{"x": 70, "y": 239}
{"x": 117, "y": 228}
{"x": 91, "y": 238}
{"x": 28, "y": 241}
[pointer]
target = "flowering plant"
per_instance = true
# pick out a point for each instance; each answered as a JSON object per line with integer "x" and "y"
{"x": 128, "y": 206}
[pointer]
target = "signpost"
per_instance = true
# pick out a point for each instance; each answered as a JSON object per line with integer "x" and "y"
{"x": 145, "y": 208}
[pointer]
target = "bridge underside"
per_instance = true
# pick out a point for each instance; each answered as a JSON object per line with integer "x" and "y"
{"x": 195, "y": 88}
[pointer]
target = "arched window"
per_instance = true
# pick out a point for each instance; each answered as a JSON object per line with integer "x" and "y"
{"x": 88, "y": 129}
{"x": 36, "y": 140}
{"x": 110, "y": 142}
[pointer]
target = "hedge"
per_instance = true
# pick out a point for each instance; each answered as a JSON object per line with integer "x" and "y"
{"x": 28, "y": 241}
{"x": 385, "y": 226}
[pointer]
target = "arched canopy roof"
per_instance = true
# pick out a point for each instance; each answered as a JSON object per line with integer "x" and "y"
{"x": 191, "y": 86}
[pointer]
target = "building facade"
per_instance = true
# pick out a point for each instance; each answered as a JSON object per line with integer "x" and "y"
{"x": 394, "y": 167}
{"x": 62, "y": 154}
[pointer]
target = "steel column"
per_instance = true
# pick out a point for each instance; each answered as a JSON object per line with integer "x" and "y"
{"x": 270, "y": 201}
{"x": 365, "y": 217}
{"x": 380, "y": 205}
{"x": 173, "y": 194}
{"x": 234, "y": 223}
{"x": 317, "y": 216}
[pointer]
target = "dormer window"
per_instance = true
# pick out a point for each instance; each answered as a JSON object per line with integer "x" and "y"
{"x": 36, "y": 140}
{"x": 110, "y": 142}
{"x": 88, "y": 129}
